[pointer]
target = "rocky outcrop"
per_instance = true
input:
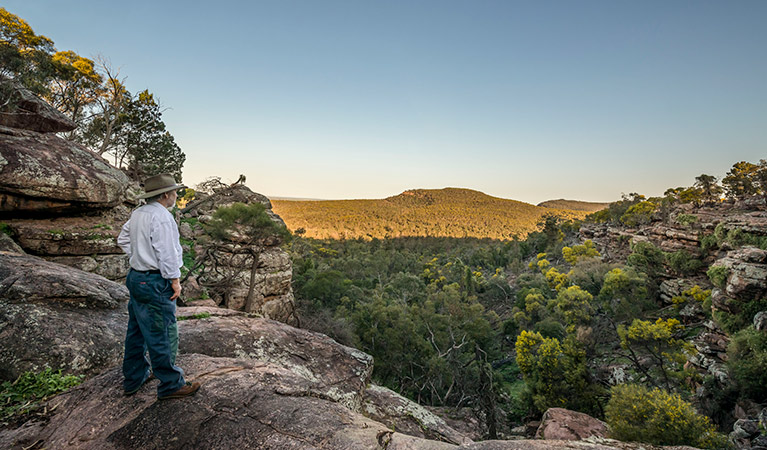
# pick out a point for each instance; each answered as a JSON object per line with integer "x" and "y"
{"x": 398, "y": 413}
{"x": 55, "y": 316}
{"x": 747, "y": 273}
{"x": 226, "y": 196}
{"x": 42, "y": 173}
{"x": 303, "y": 352}
{"x": 227, "y": 270}
{"x": 563, "y": 424}
{"x": 241, "y": 404}
{"x": 28, "y": 112}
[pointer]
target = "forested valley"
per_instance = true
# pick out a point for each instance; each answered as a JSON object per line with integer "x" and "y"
{"x": 510, "y": 328}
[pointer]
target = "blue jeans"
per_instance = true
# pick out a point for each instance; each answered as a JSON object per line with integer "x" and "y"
{"x": 151, "y": 326}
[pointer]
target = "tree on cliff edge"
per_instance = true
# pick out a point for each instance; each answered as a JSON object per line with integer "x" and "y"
{"x": 110, "y": 120}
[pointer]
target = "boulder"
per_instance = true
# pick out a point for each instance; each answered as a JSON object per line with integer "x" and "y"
{"x": 7, "y": 244}
{"x": 399, "y": 413}
{"x": 745, "y": 429}
{"x": 760, "y": 321}
{"x": 563, "y": 424}
{"x": 31, "y": 113}
{"x": 44, "y": 174}
{"x": 747, "y": 278}
{"x": 59, "y": 317}
{"x": 337, "y": 372}
{"x": 227, "y": 278}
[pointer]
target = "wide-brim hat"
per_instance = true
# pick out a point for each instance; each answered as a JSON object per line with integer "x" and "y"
{"x": 160, "y": 184}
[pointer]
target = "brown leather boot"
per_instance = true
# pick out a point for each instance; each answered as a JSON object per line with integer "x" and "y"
{"x": 185, "y": 391}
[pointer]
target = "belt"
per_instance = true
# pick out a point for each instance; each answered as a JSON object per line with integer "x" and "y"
{"x": 154, "y": 271}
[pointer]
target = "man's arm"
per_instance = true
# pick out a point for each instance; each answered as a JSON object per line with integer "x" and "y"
{"x": 163, "y": 235}
{"x": 123, "y": 239}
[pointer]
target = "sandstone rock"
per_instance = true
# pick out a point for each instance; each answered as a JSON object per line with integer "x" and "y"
{"x": 760, "y": 321}
{"x": 238, "y": 193}
{"x": 31, "y": 113}
{"x": 192, "y": 291}
{"x": 337, "y": 372}
{"x": 111, "y": 267}
{"x": 241, "y": 404}
{"x": 28, "y": 279}
{"x": 55, "y": 316}
{"x": 563, "y": 424}
{"x": 203, "y": 302}
{"x": 7, "y": 244}
{"x": 398, "y": 413}
{"x": 229, "y": 283}
{"x": 73, "y": 235}
{"x": 674, "y": 287}
{"x": 744, "y": 428}
{"x": 42, "y": 173}
{"x": 748, "y": 273}
{"x": 227, "y": 272}
{"x": 463, "y": 420}
{"x": 185, "y": 230}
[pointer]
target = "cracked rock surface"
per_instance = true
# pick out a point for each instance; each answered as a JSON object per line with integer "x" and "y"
{"x": 56, "y": 316}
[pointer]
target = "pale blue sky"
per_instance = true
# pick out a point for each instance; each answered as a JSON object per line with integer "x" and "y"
{"x": 359, "y": 99}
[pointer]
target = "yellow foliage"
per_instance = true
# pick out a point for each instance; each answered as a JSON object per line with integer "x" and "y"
{"x": 578, "y": 252}
{"x": 635, "y": 413}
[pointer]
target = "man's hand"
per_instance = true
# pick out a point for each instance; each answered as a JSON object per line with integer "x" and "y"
{"x": 176, "y": 285}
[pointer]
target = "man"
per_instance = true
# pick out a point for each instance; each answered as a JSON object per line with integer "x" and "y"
{"x": 151, "y": 240}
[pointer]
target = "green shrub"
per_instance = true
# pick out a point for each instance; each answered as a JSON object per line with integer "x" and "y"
{"x": 708, "y": 242}
{"x": 736, "y": 237}
{"x": 647, "y": 258}
{"x": 741, "y": 319}
{"x": 683, "y": 262}
{"x": 718, "y": 275}
{"x": 5, "y": 228}
{"x": 747, "y": 362}
{"x": 635, "y": 413}
{"x": 29, "y": 390}
{"x": 203, "y": 315}
{"x": 639, "y": 214}
{"x": 686, "y": 219}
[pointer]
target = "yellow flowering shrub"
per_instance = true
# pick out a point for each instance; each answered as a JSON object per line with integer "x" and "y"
{"x": 578, "y": 252}
{"x": 655, "y": 350}
{"x": 636, "y": 413}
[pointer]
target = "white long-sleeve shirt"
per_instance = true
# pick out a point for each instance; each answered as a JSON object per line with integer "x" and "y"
{"x": 150, "y": 238}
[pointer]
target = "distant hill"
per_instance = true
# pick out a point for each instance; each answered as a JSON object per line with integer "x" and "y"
{"x": 574, "y": 205}
{"x": 449, "y": 212}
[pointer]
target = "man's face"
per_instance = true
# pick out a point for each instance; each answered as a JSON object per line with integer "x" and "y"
{"x": 170, "y": 199}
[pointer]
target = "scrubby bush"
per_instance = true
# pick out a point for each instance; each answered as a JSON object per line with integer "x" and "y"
{"x": 686, "y": 219}
{"x": 29, "y": 390}
{"x": 635, "y": 413}
{"x": 624, "y": 293}
{"x": 683, "y": 262}
{"x": 708, "y": 242}
{"x": 718, "y": 275}
{"x": 639, "y": 214}
{"x": 555, "y": 373}
{"x": 647, "y": 258}
{"x": 579, "y": 252}
{"x": 742, "y": 318}
{"x": 747, "y": 361}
